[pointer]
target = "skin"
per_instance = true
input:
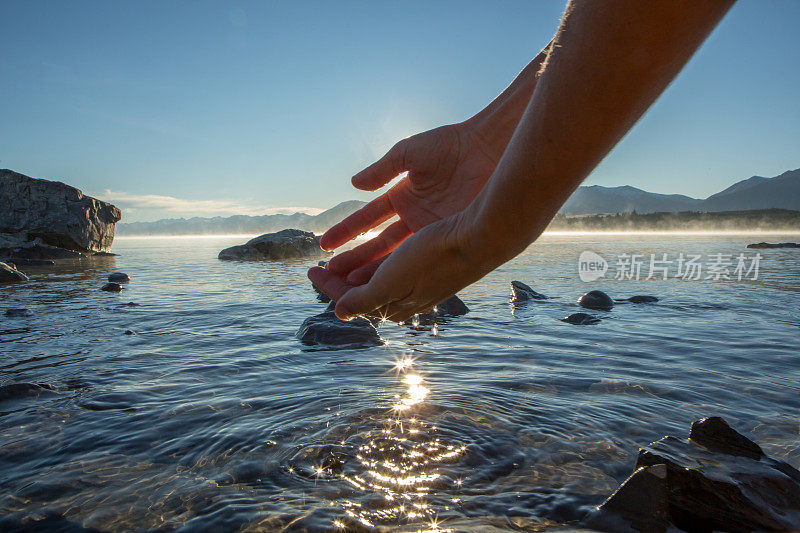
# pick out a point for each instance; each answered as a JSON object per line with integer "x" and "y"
{"x": 461, "y": 214}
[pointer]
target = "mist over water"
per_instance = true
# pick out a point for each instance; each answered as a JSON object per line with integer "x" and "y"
{"x": 214, "y": 416}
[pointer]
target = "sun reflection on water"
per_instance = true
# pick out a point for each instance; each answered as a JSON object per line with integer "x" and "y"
{"x": 398, "y": 467}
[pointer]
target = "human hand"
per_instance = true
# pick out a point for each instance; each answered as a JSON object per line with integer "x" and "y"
{"x": 447, "y": 167}
{"x": 431, "y": 265}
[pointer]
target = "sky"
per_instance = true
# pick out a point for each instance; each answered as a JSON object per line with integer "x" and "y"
{"x": 177, "y": 109}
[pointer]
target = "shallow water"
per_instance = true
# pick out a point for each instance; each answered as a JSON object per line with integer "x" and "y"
{"x": 214, "y": 417}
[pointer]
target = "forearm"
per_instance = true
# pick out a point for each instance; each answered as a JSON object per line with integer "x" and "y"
{"x": 610, "y": 61}
{"x": 495, "y": 124}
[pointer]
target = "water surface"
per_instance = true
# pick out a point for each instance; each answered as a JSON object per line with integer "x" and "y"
{"x": 214, "y": 417}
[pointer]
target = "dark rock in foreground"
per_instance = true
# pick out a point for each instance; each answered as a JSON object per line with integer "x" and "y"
{"x": 55, "y": 213}
{"x": 521, "y": 292}
{"x": 119, "y": 277}
{"x": 774, "y": 245}
{"x": 596, "y": 300}
{"x": 286, "y": 244}
{"x": 580, "y": 319}
{"x": 10, "y": 273}
{"x": 327, "y": 330}
{"x": 717, "y": 480}
{"x": 111, "y": 287}
{"x": 18, "y": 312}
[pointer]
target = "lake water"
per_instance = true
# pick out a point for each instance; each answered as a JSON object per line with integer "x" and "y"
{"x": 213, "y": 416}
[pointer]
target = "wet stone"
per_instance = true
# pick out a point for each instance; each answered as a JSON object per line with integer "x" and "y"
{"x": 19, "y": 312}
{"x": 111, "y": 287}
{"x": 521, "y": 292}
{"x": 580, "y": 319}
{"x": 596, "y": 300}
{"x": 119, "y": 277}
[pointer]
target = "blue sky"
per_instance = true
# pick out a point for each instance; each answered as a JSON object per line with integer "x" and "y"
{"x": 214, "y": 108}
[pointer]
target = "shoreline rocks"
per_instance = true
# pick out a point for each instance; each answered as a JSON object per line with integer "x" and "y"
{"x": 285, "y": 244}
{"x": 759, "y": 245}
{"x": 54, "y": 214}
{"x": 716, "y": 480}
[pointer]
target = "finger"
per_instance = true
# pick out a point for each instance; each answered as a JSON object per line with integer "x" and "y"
{"x": 363, "y": 274}
{"x": 372, "y": 214}
{"x": 373, "y": 249}
{"x": 383, "y": 170}
{"x": 332, "y": 285}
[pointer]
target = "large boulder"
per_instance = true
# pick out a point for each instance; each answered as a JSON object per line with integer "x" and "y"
{"x": 716, "y": 480}
{"x": 285, "y": 244}
{"x": 55, "y": 213}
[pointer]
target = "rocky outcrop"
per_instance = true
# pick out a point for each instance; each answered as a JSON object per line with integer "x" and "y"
{"x": 716, "y": 480}
{"x": 285, "y": 244}
{"x": 10, "y": 273}
{"x": 774, "y": 245}
{"x": 54, "y": 214}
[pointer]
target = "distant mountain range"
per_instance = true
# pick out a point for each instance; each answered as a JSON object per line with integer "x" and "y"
{"x": 757, "y": 192}
{"x": 780, "y": 192}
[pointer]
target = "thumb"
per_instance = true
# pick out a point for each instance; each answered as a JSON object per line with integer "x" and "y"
{"x": 384, "y": 169}
{"x": 360, "y": 301}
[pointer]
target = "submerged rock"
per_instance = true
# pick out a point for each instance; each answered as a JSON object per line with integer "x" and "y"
{"x": 326, "y": 329}
{"x": 119, "y": 277}
{"x": 521, "y": 292}
{"x": 104, "y": 254}
{"x": 111, "y": 287}
{"x": 19, "y": 261}
{"x": 8, "y": 273}
{"x": 580, "y": 319}
{"x": 641, "y": 299}
{"x": 42, "y": 252}
{"x": 774, "y": 245}
{"x": 716, "y": 480}
{"x": 596, "y": 300}
{"x": 18, "y": 312}
{"x": 55, "y": 213}
{"x": 285, "y": 244}
{"x": 15, "y": 391}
